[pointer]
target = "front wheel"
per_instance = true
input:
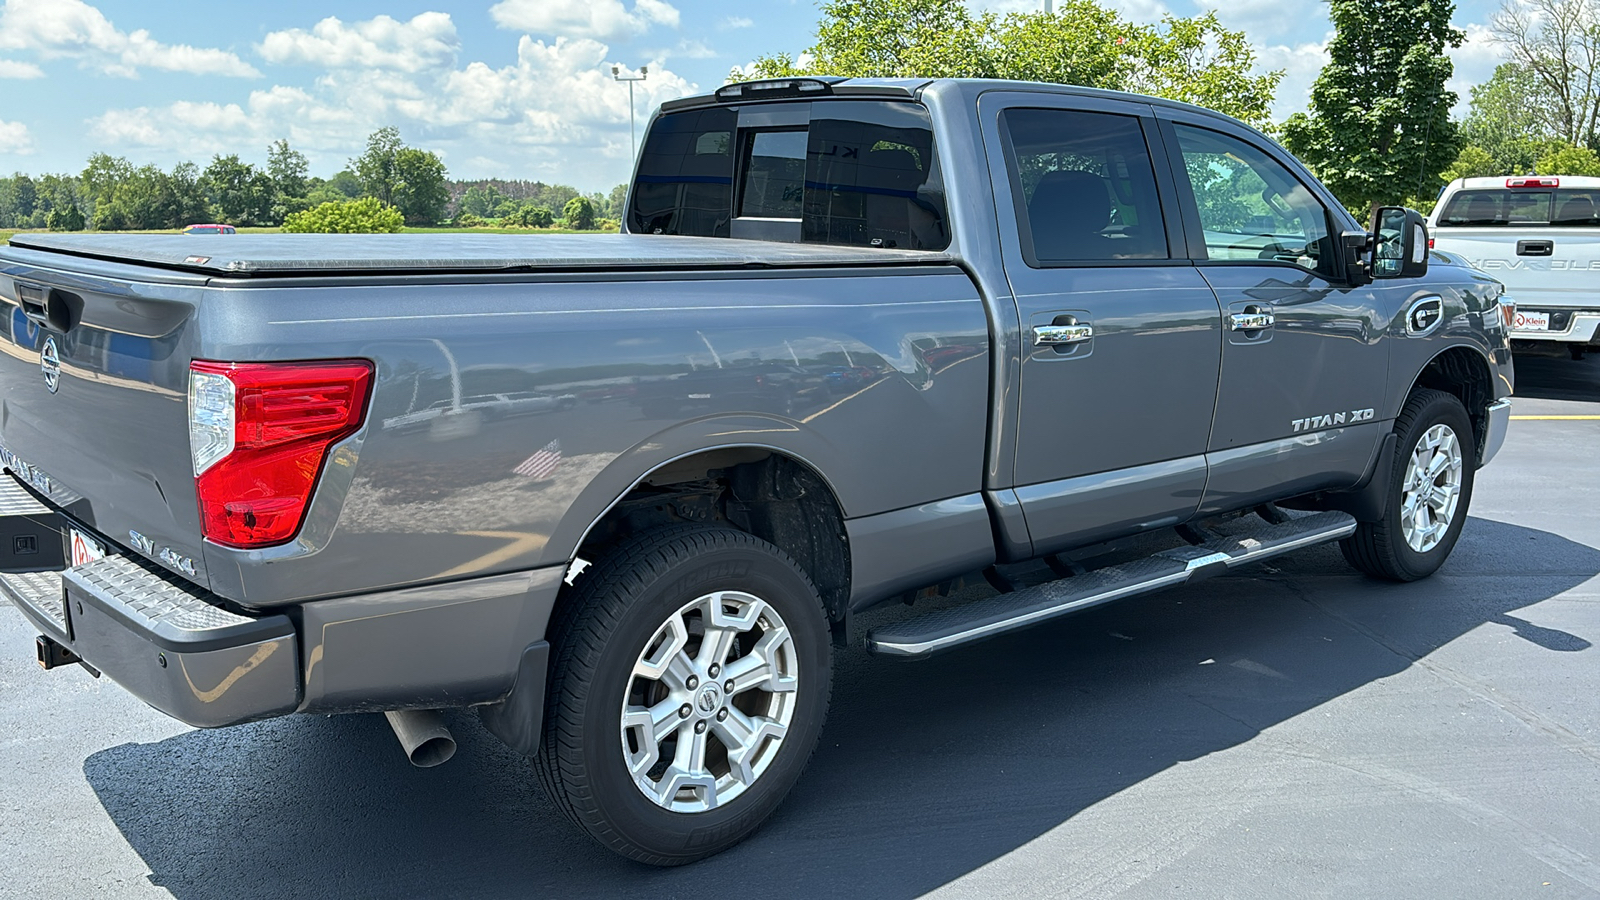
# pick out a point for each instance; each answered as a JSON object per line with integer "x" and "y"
{"x": 691, "y": 679}
{"x": 1430, "y": 488}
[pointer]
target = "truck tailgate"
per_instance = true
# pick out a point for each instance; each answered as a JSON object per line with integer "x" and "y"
{"x": 93, "y": 404}
{"x": 1560, "y": 274}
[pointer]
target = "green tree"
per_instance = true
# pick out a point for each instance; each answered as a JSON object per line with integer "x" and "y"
{"x": 288, "y": 169}
{"x": 1473, "y": 162}
{"x": 481, "y": 200}
{"x": 1379, "y": 128}
{"x": 240, "y": 194}
{"x": 420, "y": 189}
{"x": 23, "y": 199}
{"x": 531, "y": 215}
{"x": 1566, "y": 159}
{"x": 376, "y": 168}
{"x": 67, "y": 217}
{"x": 617, "y": 200}
{"x": 579, "y": 213}
{"x": 1508, "y": 119}
{"x": 1082, "y": 42}
{"x": 368, "y": 215}
{"x": 189, "y": 195}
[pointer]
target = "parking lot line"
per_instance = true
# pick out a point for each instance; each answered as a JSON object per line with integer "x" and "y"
{"x": 1557, "y": 418}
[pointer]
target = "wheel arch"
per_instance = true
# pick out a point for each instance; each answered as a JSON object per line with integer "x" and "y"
{"x": 1464, "y": 371}
{"x": 768, "y": 484}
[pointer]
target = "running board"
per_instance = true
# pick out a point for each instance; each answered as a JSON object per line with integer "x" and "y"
{"x": 923, "y": 635}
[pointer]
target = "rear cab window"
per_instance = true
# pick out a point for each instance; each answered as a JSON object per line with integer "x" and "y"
{"x": 1511, "y": 207}
{"x": 853, "y": 172}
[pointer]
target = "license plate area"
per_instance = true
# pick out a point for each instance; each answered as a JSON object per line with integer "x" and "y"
{"x": 84, "y": 549}
{"x": 1531, "y": 320}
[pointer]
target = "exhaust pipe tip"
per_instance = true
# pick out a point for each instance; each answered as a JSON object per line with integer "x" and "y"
{"x": 423, "y": 736}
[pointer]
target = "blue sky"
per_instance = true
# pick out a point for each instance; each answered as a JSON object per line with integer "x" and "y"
{"x": 507, "y": 88}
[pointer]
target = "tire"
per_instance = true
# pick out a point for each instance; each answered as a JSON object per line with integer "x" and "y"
{"x": 1400, "y": 549}
{"x": 619, "y": 623}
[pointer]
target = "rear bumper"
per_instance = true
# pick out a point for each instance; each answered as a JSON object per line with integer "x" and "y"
{"x": 166, "y": 644}
{"x": 1580, "y": 328}
{"x": 185, "y": 652}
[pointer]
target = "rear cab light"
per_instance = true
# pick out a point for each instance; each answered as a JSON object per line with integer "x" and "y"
{"x": 259, "y": 434}
{"x": 1533, "y": 181}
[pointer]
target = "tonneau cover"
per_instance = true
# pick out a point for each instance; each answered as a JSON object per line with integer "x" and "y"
{"x": 331, "y": 254}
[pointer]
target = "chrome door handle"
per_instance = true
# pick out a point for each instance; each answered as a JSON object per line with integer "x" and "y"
{"x": 1252, "y": 321}
{"x": 1056, "y": 335}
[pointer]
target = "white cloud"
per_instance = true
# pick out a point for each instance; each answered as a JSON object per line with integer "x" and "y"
{"x": 737, "y": 22}
{"x": 555, "y": 113}
{"x": 72, "y": 28}
{"x": 1475, "y": 61}
{"x": 604, "y": 19}
{"x": 428, "y": 41}
{"x": 1301, "y": 64}
{"x": 14, "y": 138}
{"x": 1268, "y": 20}
{"x": 10, "y": 68}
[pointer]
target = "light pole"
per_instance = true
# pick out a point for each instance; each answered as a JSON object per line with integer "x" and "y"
{"x": 616, "y": 73}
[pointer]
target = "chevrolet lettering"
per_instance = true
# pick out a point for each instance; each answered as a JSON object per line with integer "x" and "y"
{"x": 624, "y": 497}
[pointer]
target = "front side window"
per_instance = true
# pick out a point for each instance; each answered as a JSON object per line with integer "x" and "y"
{"x": 1084, "y": 186}
{"x": 861, "y": 173}
{"x": 1252, "y": 208}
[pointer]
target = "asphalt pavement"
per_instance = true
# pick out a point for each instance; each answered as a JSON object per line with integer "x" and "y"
{"x": 1294, "y": 730}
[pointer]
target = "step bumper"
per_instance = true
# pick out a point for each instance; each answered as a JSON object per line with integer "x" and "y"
{"x": 168, "y": 643}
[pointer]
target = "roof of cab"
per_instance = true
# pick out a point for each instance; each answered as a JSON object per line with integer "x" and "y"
{"x": 1499, "y": 181}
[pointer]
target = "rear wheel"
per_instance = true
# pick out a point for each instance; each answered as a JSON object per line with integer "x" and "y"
{"x": 691, "y": 680}
{"x": 1430, "y": 489}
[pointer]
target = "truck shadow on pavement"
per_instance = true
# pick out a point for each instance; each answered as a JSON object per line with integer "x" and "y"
{"x": 1547, "y": 377}
{"x": 926, "y": 771}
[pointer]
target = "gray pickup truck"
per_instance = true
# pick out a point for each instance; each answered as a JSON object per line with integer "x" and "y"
{"x": 624, "y": 495}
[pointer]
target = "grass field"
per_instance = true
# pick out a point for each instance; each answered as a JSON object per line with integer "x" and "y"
{"x": 5, "y": 236}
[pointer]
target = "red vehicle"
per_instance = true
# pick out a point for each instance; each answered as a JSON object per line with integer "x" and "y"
{"x": 210, "y": 229}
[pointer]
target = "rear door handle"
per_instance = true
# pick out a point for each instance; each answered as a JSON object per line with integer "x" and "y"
{"x": 1057, "y": 335}
{"x": 1251, "y": 321}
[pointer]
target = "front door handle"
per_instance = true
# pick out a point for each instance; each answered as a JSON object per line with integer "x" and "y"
{"x": 1057, "y": 335}
{"x": 1251, "y": 321}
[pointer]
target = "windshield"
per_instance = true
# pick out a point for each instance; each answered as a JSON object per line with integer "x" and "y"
{"x": 1574, "y": 207}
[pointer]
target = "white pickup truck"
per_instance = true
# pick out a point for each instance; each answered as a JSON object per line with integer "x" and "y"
{"x": 1540, "y": 236}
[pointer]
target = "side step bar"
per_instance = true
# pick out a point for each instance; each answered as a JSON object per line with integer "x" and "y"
{"x": 921, "y": 636}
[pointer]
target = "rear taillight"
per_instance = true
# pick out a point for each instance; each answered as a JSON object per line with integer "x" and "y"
{"x": 1533, "y": 181}
{"x": 1508, "y": 312}
{"x": 258, "y": 435}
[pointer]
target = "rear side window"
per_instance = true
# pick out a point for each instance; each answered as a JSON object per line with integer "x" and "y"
{"x": 1576, "y": 207}
{"x": 862, "y": 173}
{"x": 685, "y": 180}
{"x": 1084, "y": 186}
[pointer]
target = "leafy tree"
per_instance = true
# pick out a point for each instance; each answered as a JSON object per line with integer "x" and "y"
{"x": 1379, "y": 126}
{"x": 288, "y": 168}
{"x": 345, "y": 182}
{"x": 579, "y": 213}
{"x": 189, "y": 195}
{"x": 469, "y": 220}
{"x": 367, "y": 215}
{"x": 1082, "y": 42}
{"x": 22, "y": 197}
{"x": 1473, "y": 162}
{"x": 1556, "y": 45}
{"x": 616, "y": 200}
{"x": 67, "y": 217}
{"x": 1508, "y": 119}
{"x": 481, "y": 200}
{"x": 240, "y": 194}
{"x": 420, "y": 190}
{"x": 1568, "y": 160}
{"x": 531, "y": 215}
{"x": 377, "y": 167}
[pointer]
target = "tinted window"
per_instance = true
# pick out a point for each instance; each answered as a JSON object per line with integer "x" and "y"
{"x": 862, "y": 173}
{"x": 685, "y": 180}
{"x": 774, "y": 180}
{"x": 1251, "y": 206}
{"x": 872, "y": 179}
{"x": 1084, "y": 185}
{"x": 1576, "y": 207}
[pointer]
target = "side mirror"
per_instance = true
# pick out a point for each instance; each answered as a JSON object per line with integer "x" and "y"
{"x": 1400, "y": 243}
